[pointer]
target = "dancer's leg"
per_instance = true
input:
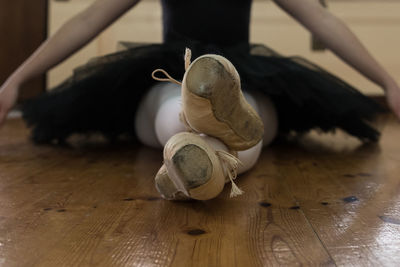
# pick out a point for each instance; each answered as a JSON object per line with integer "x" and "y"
{"x": 157, "y": 120}
{"x": 147, "y": 111}
{"x": 267, "y": 111}
{"x": 167, "y": 122}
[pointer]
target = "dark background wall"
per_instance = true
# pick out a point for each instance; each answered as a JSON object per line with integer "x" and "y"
{"x": 23, "y": 27}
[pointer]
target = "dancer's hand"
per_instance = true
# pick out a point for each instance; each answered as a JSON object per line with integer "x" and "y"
{"x": 393, "y": 98}
{"x": 8, "y": 97}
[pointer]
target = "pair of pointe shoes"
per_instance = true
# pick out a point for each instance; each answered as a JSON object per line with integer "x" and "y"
{"x": 213, "y": 104}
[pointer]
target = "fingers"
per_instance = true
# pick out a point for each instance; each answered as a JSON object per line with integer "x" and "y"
{"x": 393, "y": 101}
{"x": 396, "y": 109}
{"x": 397, "y": 113}
{"x": 3, "y": 115}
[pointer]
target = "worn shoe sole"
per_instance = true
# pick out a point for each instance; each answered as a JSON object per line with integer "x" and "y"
{"x": 213, "y": 103}
{"x": 192, "y": 167}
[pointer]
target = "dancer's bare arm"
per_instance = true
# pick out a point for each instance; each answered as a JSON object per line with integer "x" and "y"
{"x": 339, "y": 38}
{"x": 73, "y": 35}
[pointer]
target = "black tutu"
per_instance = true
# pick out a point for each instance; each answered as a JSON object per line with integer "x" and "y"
{"x": 102, "y": 96}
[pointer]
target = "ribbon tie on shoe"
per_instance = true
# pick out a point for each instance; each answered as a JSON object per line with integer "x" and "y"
{"x": 168, "y": 79}
{"x": 187, "y": 57}
{"x": 230, "y": 163}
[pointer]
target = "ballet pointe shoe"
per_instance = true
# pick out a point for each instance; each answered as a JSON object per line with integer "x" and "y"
{"x": 193, "y": 169}
{"x": 166, "y": 187}
{"x": 213, "y": 103}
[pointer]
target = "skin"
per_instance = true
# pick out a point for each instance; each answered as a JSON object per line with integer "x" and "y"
{"x": 86, "y": 25}
{"x": 341, "y": 41}
{"x": 72, "y": 36}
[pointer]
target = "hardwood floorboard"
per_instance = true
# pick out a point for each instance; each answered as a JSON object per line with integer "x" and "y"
{"x": 313, "y": 201}
{"x": 346, "y": 195}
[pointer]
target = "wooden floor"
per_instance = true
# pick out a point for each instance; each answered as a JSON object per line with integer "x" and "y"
{"x": 316, "y": 201}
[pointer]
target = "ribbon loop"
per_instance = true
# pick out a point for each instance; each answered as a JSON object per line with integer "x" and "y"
{"x": 231, "y": 164}
{"x": 168, "y": 79}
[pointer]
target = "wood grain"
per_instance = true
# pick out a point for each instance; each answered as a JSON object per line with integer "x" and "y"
{"x": 317, "y": 200}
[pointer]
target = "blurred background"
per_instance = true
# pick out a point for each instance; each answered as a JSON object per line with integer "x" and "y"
{"x": 25, "y": 24}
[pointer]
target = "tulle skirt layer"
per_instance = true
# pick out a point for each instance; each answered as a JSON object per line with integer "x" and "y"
{"x": 102, "y": 96}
